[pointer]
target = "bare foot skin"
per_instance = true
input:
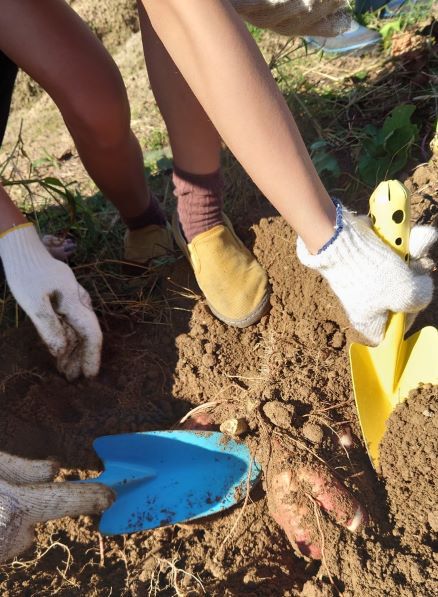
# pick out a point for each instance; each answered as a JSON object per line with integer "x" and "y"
{"x": 59, "y": 247}
{"x": 290, "y": 495}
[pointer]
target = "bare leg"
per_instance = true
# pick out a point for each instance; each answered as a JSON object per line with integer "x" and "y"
{"x": 195, "y": 142}
{"x": 52, "y": 44}
{"x": 224, "y": 68}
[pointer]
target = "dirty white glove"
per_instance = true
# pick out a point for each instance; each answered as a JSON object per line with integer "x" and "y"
{"x": 23, "y": 505}
{"x": 58, "y": 306}
{"x": 297, "y": 17}
{"x": 368, "y": 277}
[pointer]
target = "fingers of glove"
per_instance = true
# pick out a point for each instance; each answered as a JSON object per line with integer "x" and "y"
{"x": 71, "y": 367}
{"x": 423, "y": 265}
{"x": 50, "y": 328}
{"x": 69, "y": 363}
{"x": 371, "y": 325}
{"x": 421, "y": 240}
{"x": 410, "y": 292}
{"x": 410, "y": 320}
{"x": 76, "y": 306}
{"x": 22, "y": 470}
{"x": 16, "y": 532}
{"x": 56, "y": 500}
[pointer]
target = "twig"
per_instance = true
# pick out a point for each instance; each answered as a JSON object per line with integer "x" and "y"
{"x": 101, "y": 551}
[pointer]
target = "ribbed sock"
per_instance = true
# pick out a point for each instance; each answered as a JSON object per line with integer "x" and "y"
{"x": 199, "y": 201}
{"x": 153, "y": 214}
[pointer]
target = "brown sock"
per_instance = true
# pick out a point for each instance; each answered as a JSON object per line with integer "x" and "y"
{"x": 199, "y": 201}
{"x": 153, "y": 214}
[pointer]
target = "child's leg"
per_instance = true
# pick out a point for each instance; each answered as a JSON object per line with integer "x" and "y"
{"x": 196, "y": 144}
{"x": 218, "y": 258}
{"x": 223, "y": 66}
{"x": 51, "y": 43}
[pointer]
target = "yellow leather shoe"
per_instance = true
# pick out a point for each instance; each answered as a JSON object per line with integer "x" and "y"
{"x": 233, "y": 282}
{"x": 148, "y": 243}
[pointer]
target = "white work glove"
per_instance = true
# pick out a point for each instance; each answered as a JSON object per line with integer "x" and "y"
{"x": 297, "y": 17}
{"x": 58, "y": 306}
{"x": 23, "y": 505}
{"x": 369, "y": 278}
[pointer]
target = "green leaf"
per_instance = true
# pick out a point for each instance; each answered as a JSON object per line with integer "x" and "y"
{"x": 399, "y": 117}
{"x": 54, "y": 182}
{"x": 323, "y": 161}
{"x": 361, "y": 75}
{"x": 385, "y": 151}
{"x": 164, "y": 164}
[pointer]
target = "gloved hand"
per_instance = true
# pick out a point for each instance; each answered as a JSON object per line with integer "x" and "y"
{"x": 58, "y": 306}
{"x": 369, "y": 278}
{"x": 297, "y": 17}
{"x": 27, "y": 497}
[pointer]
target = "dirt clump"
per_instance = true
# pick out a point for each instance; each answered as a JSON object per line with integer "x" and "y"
{"x": 279, "y": 414}
{"x": 289, "y": 372}
{"x": 409, "y": 454}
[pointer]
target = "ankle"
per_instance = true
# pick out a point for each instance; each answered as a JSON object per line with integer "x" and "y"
{"x": 200, "y": 201}
{"x": 153, "y": 214}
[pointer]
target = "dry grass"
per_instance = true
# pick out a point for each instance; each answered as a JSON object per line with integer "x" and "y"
{"x": 178, "y": 579}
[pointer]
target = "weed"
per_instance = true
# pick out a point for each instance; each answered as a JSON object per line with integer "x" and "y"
{"x": 59, "y": 208}
{"x": 256, "y": 33}
{"x": 385, "y": 151}
{"x": 157, "y": 140}
{"x": 325, "y": 163}
{"x": 408, "y": 15}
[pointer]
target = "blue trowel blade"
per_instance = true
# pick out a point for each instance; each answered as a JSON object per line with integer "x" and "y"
{"x": 164, "y": 477}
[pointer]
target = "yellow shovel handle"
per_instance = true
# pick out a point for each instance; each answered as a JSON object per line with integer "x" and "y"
{"x": 390, "y": 212}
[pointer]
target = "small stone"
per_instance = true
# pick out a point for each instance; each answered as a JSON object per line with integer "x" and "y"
{"x": 427, "y": 413}
{"x": 209, "y": 348}
{"x": 234, "y": 427}
{"x": 313, "y": 432}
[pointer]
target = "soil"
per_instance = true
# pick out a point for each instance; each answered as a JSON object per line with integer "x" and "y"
{"x": 288, "y": 376}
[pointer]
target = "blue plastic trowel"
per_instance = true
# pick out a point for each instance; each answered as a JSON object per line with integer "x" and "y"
{"x": 164, "y": 477}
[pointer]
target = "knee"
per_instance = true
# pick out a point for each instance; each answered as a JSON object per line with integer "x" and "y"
{"x": 99, "y": 115}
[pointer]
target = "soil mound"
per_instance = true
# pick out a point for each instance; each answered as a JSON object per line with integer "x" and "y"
{"x": 288, "y": 376}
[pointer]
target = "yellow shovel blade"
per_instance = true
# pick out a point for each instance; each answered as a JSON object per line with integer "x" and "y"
{"x": 383, "y": 376}
{"x": 375, "y": 398}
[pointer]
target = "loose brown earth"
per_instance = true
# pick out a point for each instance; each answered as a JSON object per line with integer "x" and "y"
{"x": 288, "y": 376}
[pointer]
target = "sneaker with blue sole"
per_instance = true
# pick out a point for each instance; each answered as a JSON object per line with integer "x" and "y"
{"x": 356, "y": 38}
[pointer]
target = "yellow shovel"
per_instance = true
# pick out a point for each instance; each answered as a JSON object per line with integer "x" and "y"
{"x": 383, "y": 376}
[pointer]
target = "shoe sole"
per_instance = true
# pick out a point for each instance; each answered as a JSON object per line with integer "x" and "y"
{"x": 261, "y": 308}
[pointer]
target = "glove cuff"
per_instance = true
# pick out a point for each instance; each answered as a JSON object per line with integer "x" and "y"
{"x": 339, "y": 225}
{"x": 21, "y": 247}
{"x": 352, "y": 238}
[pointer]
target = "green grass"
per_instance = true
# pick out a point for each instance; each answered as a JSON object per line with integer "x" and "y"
{"x": 335, "y": 101}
